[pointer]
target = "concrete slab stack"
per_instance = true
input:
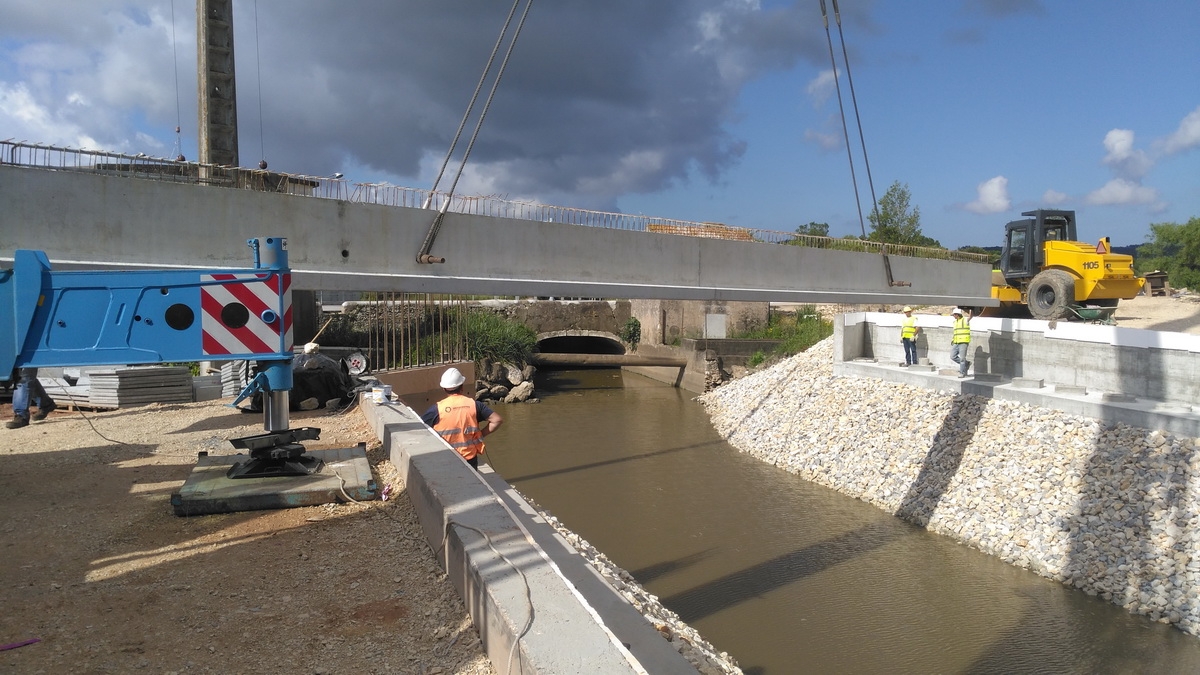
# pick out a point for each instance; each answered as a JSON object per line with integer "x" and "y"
{"x": 134, "y": 386}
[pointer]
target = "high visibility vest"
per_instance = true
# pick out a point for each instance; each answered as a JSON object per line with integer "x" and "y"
{"x": 908, "y": 328}
{"x": 457, "y": 424}
{"x": 962, "y": 332}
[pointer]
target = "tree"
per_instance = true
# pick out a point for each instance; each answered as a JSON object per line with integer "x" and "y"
{"x": 814, "y": 229}
{"x": 895, "y": 222}
{"x": 1174, "y": 249}
{"x": 993, "y": 253}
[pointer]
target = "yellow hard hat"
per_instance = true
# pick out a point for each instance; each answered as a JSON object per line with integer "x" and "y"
{"x": 906, "y": 309}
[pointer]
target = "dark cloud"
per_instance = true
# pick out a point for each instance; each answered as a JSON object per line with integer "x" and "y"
{"x": 598, "y": 99}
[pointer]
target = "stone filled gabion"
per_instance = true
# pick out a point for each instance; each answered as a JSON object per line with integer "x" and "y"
{"x": 1112, "y": 510}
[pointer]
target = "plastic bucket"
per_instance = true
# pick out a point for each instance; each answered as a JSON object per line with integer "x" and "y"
{"x": 382, "y": 393}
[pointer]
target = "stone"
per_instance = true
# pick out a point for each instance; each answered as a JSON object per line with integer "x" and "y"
{"x": 519, "y": 393}
{"x": 1106, "y": 508}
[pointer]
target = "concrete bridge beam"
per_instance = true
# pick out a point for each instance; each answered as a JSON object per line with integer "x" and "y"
{"x": 90, "y": 220}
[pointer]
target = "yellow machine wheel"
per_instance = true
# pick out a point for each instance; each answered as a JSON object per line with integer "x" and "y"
{"x": 1051, "y": 295}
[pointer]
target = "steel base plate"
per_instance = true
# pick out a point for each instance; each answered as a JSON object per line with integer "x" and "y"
{"x": 209, "y": 490}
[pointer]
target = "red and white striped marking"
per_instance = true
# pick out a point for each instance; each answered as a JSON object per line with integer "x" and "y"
{"x": 258, "y": 292}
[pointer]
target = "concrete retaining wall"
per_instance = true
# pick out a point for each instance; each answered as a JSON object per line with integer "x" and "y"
{"x": 531, "y": 618}
{"x": 1144, "y": 364}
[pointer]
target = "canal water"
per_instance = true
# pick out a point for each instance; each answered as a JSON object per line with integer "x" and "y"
{"x": 785, "y": 575}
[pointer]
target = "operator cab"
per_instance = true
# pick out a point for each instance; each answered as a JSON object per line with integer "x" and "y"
{"x": 1024, "y": 254}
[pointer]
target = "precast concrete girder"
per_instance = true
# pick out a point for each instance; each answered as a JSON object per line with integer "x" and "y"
{"x": 91, "y": 220}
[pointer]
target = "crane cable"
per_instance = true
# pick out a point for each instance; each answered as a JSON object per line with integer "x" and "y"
{"x": 841, "y": 109}
{"x": 262, "y": 145}
{"x": 423, "y": 255}
{"x": 175, "y": 60}
{"x": 837, "y": 15}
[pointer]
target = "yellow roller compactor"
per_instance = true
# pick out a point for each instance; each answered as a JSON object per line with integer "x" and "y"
{"x": 1045, "y": 272}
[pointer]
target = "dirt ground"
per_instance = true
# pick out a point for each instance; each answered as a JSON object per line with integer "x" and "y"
{"x": 1172, "y": 314}
{"x": 100, "y": 572}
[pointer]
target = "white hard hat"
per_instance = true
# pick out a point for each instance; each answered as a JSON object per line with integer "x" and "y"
{"x": 956, "y": 311}
{"x": 452, "y": 379}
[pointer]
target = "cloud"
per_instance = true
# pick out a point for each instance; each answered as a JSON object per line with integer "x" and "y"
{"x": 598, "y": 99}
{"x": 1125, "y": 161}
{"x": 821, "y": 88}
{"x": 992, "y": 197}
{"x": 26, "y": 120}
{"x": 1055, "y": 198}
{"x": 1186, "y": 137}
{"x": 1121, "y": 191}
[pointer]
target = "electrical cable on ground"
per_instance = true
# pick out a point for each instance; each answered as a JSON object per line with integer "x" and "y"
{"x": 79, "y": 410}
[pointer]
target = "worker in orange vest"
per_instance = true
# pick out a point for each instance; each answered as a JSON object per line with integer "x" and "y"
{"x": 456, "y": 418}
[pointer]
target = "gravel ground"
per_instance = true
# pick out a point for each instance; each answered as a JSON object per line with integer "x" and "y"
{"x": 99, "y": 570}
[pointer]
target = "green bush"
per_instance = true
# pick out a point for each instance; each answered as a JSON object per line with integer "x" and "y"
{"x": 795, "y": 333}
{"x": 756, "y": 359}
{"x": 494, "y": 337}
{"x": 631, "y": 332}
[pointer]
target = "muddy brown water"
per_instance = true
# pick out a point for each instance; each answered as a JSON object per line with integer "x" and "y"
{"x": 785, "y": 575}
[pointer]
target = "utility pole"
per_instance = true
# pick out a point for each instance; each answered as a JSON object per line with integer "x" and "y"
{"x": 218, "y": 138}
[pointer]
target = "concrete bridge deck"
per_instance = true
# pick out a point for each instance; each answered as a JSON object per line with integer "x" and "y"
{"x": 88, "y": 218}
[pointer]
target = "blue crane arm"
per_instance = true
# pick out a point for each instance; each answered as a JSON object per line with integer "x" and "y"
{"x": 77, "y": 318}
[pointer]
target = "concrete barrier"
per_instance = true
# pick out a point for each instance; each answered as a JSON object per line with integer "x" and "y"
{"x": 537, "y": 610}
{"x": 1144, "y": 378}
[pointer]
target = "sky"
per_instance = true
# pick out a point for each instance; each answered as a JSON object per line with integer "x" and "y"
{"x": 704, "y": 110}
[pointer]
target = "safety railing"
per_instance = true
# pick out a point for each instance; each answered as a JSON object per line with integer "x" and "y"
{"x": 34, "y": 155}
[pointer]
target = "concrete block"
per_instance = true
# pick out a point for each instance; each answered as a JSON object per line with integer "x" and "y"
{"x": 988, "y": 377}
{"x": 1110, "y": 397}
{"x": 1072, "y": 389}
{"x": 1028, "y": 383}
{"x": 206, "y": 392}
{"x": 476, "y": 536}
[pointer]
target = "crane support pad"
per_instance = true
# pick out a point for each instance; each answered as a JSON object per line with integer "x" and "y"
{"x": 207, "y": 489}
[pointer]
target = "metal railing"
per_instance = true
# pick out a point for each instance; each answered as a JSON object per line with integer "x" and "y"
{"x": 39, "y": 156}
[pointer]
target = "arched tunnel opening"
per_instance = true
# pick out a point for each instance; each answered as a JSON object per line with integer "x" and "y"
{"x": 580, "y": 344}
{"x": 578, "y": 351}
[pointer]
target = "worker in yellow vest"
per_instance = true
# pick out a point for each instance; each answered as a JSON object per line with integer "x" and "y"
{"x": 908, "y": 337}
{"x": 960, "y": 342}
{"x": 457, "y": 418}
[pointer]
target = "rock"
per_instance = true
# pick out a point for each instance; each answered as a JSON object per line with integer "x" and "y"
{"x": 519, "y": 393}
{"x": 513, "y": 375}
{"x": 498, "y": 391}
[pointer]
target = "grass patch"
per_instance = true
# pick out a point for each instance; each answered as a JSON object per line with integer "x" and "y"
{"x": 795, "y": 332}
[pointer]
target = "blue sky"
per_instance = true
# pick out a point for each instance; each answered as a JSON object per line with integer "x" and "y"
{"x": 707, "y": 110}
